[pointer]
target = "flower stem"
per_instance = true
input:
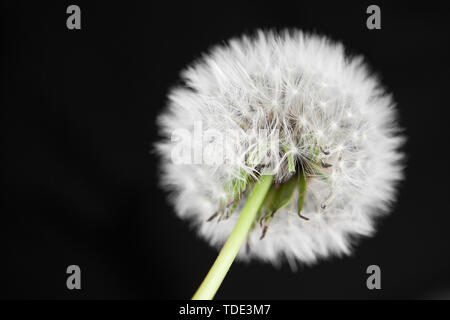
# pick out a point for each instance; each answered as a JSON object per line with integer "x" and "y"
{"x": 217, "y": 273}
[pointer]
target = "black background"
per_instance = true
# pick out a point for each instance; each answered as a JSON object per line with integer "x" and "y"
{"x": 78, "y": 123}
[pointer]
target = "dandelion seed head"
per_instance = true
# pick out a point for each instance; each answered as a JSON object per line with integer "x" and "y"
{"x": 328, "y": 115}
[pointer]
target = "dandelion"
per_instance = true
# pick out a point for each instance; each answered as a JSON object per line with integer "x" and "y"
{"x": 305, "y": 159}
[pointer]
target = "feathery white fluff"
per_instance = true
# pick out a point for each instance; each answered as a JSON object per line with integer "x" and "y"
{"x": 281, "y": 95}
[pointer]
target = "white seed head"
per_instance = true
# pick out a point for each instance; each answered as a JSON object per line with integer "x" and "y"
{"x": 271, "y": 97}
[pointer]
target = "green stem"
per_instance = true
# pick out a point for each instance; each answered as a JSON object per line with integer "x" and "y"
{"x": 217, "y": 273}
{"x": 302, "y": 192}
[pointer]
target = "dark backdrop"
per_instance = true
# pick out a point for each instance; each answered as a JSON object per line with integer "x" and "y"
{"x": 80, "y": 186}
